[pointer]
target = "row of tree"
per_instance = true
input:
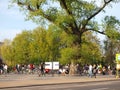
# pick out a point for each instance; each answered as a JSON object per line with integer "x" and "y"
{"x": 70, "y": 36}
{"x": 50, "y": 44}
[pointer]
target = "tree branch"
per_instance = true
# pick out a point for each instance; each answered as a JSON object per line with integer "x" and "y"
{"x": 64, "y": 6}
{"x": 74, "y": 26}
{"x": 101, "y": 32}
{"x": 105, "y": 3}
{"x": 97, "y": 12}
{"x": 20, "y": 3}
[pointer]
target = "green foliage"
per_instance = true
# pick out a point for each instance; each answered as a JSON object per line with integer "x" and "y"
{"x": 90, "y": 52}
{"x": 38, "y": 44}
{"x": 7, "y": 52}
{"x": 66, "y": 40}
{"x": 111, "y": 27}
{"x": 66, "y": 55}
{"x": 75, "y": 18}
{"x": 53, "y": 44}
{"x": 35, "y": 46}
{"x": 21, "y": 46}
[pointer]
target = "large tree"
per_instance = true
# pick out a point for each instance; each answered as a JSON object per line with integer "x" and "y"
{"x": 73, "y": 16}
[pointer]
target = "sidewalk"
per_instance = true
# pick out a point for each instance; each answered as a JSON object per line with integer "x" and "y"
{"x": 55, "y": 80}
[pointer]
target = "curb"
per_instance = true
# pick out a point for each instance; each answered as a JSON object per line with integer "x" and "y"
{"x": 58, "y": 83}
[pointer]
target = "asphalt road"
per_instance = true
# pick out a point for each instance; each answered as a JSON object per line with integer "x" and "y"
{"x": 107, "y": 85}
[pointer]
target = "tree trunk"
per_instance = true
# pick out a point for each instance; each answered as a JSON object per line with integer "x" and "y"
{"x": 77, "y": 46}
{"x": 72, "y": 69}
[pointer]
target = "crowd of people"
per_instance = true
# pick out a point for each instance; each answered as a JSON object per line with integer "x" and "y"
{"x": 86, "y": 70}
{"x": 30, "y": 69}
{"x": 89, "y": 70}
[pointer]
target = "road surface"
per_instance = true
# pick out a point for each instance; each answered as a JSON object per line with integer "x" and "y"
{"x": 106, "y": 85}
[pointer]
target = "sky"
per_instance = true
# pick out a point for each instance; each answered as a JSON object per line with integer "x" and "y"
{"x": 12, "y": 21}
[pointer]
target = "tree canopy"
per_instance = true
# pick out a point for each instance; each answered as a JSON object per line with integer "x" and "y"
{"x": 42, "y": 45}
{"x": 73, "y": 16}
{"x": 76, "y": 18}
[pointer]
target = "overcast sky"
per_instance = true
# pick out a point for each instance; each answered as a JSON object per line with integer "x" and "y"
{"x": 12, "y": 21}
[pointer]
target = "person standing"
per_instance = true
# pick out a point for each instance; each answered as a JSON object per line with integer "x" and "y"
{"x": 90, "y": 71}
{"x": 18, "y": 68}
{"x": 94, "y": 70}
{"x": 5, "y": 68}
{"x": 1, "y": 68}
{"x": 42, "y": 69}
